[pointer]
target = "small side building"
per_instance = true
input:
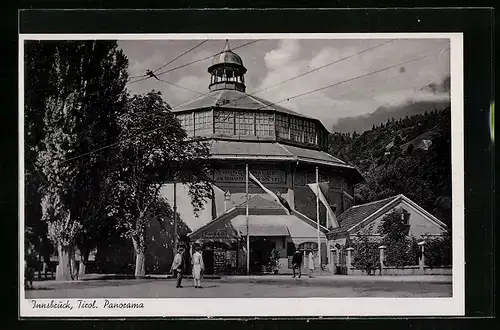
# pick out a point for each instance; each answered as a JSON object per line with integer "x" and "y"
{"x": 367, "y": 218}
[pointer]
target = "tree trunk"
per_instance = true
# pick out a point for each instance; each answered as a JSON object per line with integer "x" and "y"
{"x": 140, "y": 265}
{"x": 63, "y": 270}
{"x": 74, "y": 271}
{"x": 84, "y": 258}
{"x": 140, "y": 258}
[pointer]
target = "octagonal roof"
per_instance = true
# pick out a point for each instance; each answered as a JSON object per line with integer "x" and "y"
{"x": 234, "y": 99}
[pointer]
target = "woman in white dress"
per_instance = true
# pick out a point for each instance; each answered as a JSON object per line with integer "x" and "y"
{"x": 311, "y": 264}
{"x": 197, "y": 261}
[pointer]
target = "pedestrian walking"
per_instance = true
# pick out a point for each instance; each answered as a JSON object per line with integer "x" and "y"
{"x": 297, "y": 263}
{"x": 178, "y": 266}
{"x": 198, "y": 267}
{"x": 311, "y": 263}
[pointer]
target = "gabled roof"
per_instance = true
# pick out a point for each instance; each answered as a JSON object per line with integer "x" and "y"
{"x": 296, "y": 222}
{"x": 363, "y": 213}
{"x": 358, "y": 213}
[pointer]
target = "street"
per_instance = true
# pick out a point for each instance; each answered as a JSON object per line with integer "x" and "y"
{"x": 283, "y": 287}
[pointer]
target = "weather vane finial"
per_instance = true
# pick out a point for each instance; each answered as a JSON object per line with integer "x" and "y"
{"x": 226, "y": 46}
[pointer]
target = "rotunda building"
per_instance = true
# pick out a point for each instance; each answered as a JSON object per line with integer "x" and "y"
{"x": 283, "y": 149}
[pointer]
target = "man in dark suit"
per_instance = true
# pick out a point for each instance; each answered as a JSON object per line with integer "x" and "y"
{"x": 297, "y": 262}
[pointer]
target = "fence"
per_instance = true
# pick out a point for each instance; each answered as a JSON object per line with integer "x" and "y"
{"x": 383, "y": 269}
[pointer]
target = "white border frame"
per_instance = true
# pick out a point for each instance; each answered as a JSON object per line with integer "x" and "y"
{"x": 251, "y": 307}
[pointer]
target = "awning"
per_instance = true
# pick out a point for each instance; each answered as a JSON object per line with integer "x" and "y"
{"x": 226, "y": 241}
{"x": 264, "y": 230}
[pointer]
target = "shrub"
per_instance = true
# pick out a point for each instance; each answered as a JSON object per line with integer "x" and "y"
{"x": 275, "y": 258}
{"x": 366, "y": 255}
{"x": 438, "y": 252}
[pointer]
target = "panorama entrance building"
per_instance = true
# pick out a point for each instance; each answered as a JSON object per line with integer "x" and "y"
{"x": 282, "y": 149}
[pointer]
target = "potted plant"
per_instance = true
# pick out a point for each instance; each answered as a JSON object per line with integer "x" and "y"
{"x": 275, "y": 260}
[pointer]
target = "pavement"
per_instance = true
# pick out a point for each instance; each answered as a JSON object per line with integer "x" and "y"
{"x": 323, "y": 279}
{"x": 267, "y": 286}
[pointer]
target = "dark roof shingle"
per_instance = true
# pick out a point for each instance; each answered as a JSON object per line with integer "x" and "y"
{"x": 358, "y": 213}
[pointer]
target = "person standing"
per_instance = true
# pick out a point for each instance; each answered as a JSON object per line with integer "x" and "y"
{"x": 311, "y": 263}
{"x": 198, "y": 267}
{"x": 178, "y": 266}
{"x": 297, "y": 262}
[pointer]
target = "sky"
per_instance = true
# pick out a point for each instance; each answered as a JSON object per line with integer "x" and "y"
{"x": 272, "y": 61}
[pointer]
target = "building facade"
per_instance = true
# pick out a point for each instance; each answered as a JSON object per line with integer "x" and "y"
{"x": 282, "y": 149}
{"x": 366, "y": 219}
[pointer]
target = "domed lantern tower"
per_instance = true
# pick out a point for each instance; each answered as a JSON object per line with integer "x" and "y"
{"x": 282, "y": 149}
{"x": 227, "y": 71}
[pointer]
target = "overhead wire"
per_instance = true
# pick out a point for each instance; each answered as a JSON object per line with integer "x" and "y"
{"x": 268, "y": 105}
{"x": 146, "y": 77}
{"x": 313, "y": 70}
{"x": 186, "y": 52}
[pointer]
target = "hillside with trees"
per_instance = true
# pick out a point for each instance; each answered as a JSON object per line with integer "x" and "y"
{"x": 410, "y": 156}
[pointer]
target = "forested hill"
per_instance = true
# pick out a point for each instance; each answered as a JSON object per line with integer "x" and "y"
{"x": 410, "y": 156}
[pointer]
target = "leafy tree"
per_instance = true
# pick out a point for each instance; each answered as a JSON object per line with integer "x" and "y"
{"x": 38, "y": 58}
{"x": 150, "y": 157}
{"x": 402, "y": 250}
{"x": 85, "y": 83}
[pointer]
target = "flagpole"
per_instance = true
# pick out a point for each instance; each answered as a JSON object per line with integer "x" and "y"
{"x": 247, "y": 217}
{"x": 317, "y": 216}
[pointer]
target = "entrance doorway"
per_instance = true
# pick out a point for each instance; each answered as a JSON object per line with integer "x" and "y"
{"x": 208, "y": 260}
{"x": 260, "y": 254}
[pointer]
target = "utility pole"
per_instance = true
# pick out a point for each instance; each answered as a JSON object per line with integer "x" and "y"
{"x": 247, "y": 222}
{"x": 317, "y": 218}
{"x": 175, "y": 217}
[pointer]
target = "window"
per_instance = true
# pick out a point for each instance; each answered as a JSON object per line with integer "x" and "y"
{"x": 244, "y": 123}
{"x": 296, "y": 129}
{"x": 264, "y": 124}
{"x": 203, "y": 123}
{"x": 224, "y": 122}
{"x": 187, "y": 123}
{"x": 310, "y": 132}
{"x": 282, "y": 126}
{"x": 405, "y": 216}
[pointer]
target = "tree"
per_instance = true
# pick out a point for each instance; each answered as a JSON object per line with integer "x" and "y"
{"x": 402, "y": 250}
{"x": 366, "y": 253}
{"x": 154, "y": 151}
{"x": 87, "y": 90}
{"x": 38, "y": 58}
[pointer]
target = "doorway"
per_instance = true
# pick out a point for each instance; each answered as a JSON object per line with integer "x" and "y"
{"x": 260, "y": 254}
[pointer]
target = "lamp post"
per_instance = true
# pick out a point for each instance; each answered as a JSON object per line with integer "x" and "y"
{"x": 175, "y": 217}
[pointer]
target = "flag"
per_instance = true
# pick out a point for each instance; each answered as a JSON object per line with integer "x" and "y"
{"x": 347, "y": 195}
{"x": 280, "y": 200}
{"x": 331, "y": 215}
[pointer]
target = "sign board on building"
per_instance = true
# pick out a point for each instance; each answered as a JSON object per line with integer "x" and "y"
{"x": 219, "y": 259}
{"x": 239, "y": 176}
{"x": 215, "y": 234}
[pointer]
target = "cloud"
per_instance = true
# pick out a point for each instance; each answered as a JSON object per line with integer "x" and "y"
{"x": 270, "y": 62}
{"x": 287, "y": 50}
{"x": 401, "y": 97}
{"x": 361, "y": 95}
